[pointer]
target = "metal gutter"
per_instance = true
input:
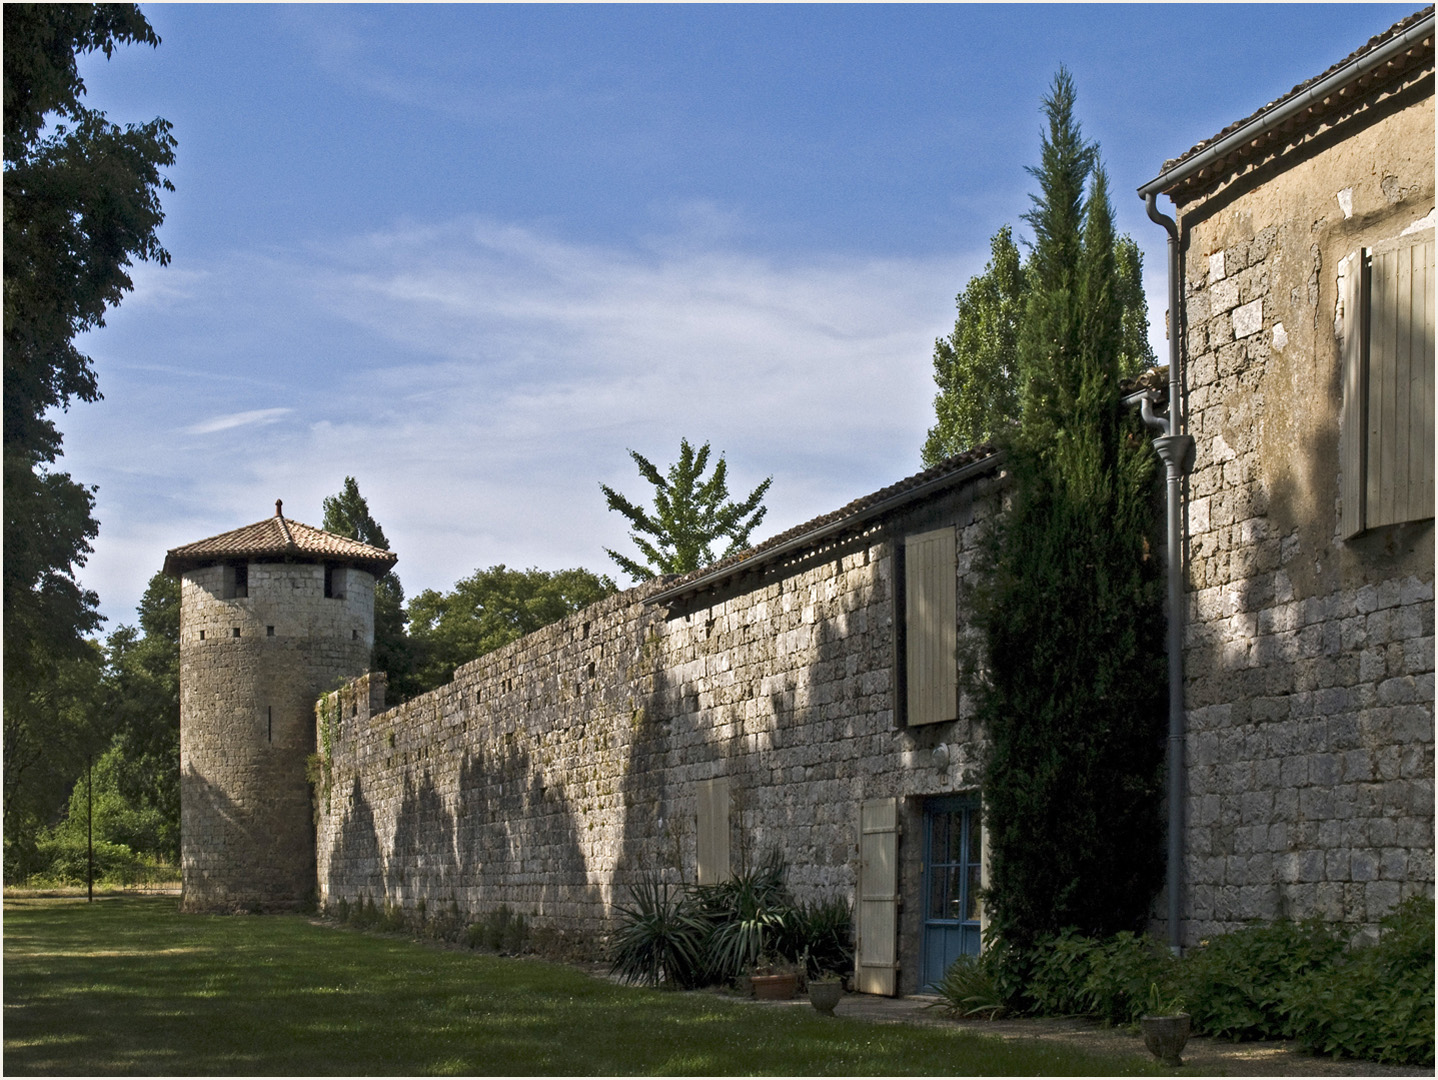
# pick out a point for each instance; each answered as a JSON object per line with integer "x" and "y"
{"x": 1266, "y": 121}
{"x": 829, "y": 529}
{"x": 1175, "y": 448}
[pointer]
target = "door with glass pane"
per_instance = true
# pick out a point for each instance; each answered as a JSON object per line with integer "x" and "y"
{"x": 953, "y": 860}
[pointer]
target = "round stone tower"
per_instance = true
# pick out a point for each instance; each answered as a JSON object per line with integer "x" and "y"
{"x": 271, "y": 616}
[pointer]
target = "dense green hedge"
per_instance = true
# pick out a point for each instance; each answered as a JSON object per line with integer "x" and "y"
{"x": 1285, "y": 979}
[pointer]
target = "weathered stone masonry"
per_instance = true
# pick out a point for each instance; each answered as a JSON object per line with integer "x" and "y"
{"x": 553, "y": 772}
{"x": 1309, "y": 658}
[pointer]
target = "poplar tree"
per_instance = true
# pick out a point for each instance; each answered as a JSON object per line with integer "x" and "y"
{"x": 1073, "y": 693}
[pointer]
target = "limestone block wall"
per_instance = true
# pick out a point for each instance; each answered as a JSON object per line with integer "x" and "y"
{"x": 1309, "y": 660}
{"x": 250, "y": 669}
{"x": 553, "y": 772}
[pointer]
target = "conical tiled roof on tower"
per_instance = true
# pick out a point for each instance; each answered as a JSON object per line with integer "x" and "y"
{"x": 279, "y": 538}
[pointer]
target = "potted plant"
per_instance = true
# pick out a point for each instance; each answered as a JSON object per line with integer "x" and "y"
{"x": 1165, "y": 1027}
{"x": 825, "y": 991}
{"x": 773, "y": 981}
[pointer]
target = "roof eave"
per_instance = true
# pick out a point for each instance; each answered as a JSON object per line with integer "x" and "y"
{"x": 823, "y": 532}
{"x": 1276, "y": 115}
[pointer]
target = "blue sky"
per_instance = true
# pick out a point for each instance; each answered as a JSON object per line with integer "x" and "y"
{"x": 470, "y": 254}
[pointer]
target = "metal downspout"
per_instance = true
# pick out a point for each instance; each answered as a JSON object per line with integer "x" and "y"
{"x": 1176, "y": 450}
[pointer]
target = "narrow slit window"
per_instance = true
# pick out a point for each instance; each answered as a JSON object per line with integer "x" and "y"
{"x": 269, "y": 631}
{"x": 269, "y": 723}
{"x": 202, "y": 635}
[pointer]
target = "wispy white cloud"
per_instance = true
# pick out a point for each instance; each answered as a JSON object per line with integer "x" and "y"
{"x": 251, "y": 418}
{"x": 481, "y": 379}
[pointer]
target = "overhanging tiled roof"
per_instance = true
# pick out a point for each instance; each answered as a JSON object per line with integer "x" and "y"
{"x": 279, "y": 538}
{"x": 946, "y": 474}
{"x": 1390, "y": 58}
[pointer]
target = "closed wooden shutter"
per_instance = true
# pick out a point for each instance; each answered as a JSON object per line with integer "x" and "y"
{"x": 713, "y": 830}
{"x": 1353, "y": 431}
{"x": 1400, "y": 383}
{"x": 931, "y": 627}
{"x": 876, "y": 965}
{"x": 1388, "y": 386}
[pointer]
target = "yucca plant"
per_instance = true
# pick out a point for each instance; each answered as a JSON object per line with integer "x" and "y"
{"x": 826, "y": 931}
{"x": 659, "y": 938}
{"x": 969, "y": 989}
{"x": 749, "y": 916}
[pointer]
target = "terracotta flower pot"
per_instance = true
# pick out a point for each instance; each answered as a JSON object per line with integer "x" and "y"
{"x": 824, "y": 994}
{"x": 1165, "y": 1036}
{"x": 774, "y": 987}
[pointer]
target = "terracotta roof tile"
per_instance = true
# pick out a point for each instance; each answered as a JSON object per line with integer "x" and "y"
{"x": 1372, "y": 43}
{"x": 279, "y": 537}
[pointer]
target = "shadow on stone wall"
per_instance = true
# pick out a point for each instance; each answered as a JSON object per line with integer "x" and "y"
{"x": 648, "y": 808}
{"x": 424, "y": 831}
{"x": 232, "y": 858}
{"x": 511, "y": 827}
{"x": 356, "y": 863}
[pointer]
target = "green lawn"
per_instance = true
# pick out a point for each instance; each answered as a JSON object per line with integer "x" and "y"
{"x": 128, "y": 985}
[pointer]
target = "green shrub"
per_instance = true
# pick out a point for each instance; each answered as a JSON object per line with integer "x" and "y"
{"x": 1375, "y": 1001}
{"x": 658, "y": 938}
{"x": 62, "y": 858}
{"x": 341, "y": 910}
{"x": 1124, "y": 971}
{"x": 1234, "y": 983}
{"x": 1057, "y": 969}
{"x": 502, "y": 930}
{"x": 969, "y": 988}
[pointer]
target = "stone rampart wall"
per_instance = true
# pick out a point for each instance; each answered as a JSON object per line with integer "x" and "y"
{"x": 552, "y": 772}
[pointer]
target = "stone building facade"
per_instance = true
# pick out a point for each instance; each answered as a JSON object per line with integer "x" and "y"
{"x": 1309, "y": 645}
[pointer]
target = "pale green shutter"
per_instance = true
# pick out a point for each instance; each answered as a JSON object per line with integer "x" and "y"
{"x": 931, "y": 627}
{"x": 1400, "y": 383}
{"x": 712, "y": 833}
{"x": 876, "y": 963}
{"x": 1387, "y": 426}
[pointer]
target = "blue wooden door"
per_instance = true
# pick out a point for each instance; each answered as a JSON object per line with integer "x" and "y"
{"x": 953, "y": 859}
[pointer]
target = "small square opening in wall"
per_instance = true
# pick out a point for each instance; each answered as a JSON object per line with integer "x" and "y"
{"x": 354, "y": 635}
{"x": 269, "y": 631}
{"x": 234, "y": 631}
{"x": 202, "y": 635}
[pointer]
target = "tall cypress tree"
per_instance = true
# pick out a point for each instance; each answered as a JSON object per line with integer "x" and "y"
{"x": 1074, "y": 692}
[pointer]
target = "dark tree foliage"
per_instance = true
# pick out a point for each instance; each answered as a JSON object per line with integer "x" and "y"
{"x": 978, "y": 366}
{"x": 348, "y": 514}
{"x": 1074, "y": 674}
{"x": 81, "y": 201}
{"x": 689, "y": 515}
{"x": 488, "y": 610}
{"x": 142, "y": 697}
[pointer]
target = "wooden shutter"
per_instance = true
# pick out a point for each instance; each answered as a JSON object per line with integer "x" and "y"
{"x": 1400, "y": 383}
{"x": 713, "y": 831}
{"x": 876, "y": 961}
{"x": 931, "y": 627}
{"x": 1353, "y": 432}
{"x": 1387, "y": 428}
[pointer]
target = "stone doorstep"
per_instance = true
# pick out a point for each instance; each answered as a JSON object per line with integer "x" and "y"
{"x": 1204, "y": 1055}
